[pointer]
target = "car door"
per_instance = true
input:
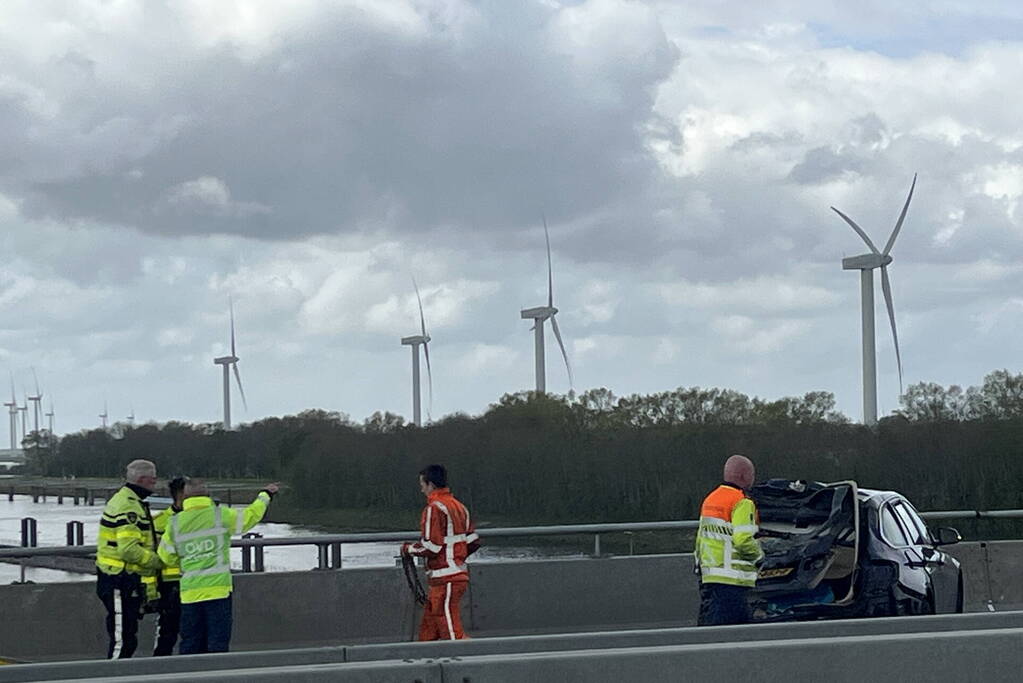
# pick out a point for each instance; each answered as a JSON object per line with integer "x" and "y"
{"x": 943, "y": 572}
{"x": 913, "y": 574}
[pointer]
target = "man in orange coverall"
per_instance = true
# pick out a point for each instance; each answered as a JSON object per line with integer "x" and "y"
{"x": 448, "y": 537}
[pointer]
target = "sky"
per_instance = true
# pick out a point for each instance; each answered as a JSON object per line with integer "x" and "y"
{"x": 307, "y": 159}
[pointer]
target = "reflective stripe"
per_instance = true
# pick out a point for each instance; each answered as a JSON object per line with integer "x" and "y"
{"x": 170, "y": 548}
{"x": 457, "y": 538}
{"x": 730, "y": 573}
{"x": 239, "y": 523}
{"x": 472, "y": 538}
{"x": 110, "y": 562}
{"x": 432, "y": 547}
{"x": 193, "y": 534}
{"x": 447, "y": 571}
{"x": 118, "y": 626}
{"x": 746, "y": 529}
{"x": 449, "y": 547}
{"x": 216, "y": 569}
{"x": 447, "y": 612}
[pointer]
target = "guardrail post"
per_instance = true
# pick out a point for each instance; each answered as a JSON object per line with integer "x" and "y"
{"x": 10, "y": 494}
{"x": 321, "y": 551}
{"x": 631, "y": 546}
{"x": 29, "y": 533}
{"x": 596, "y": 545}
{"x": 335, "y": 555}
{"x": 229, "y": 497}
{"x": 75, "y": 533}
{"x": 35, "y": 494}
{"x": 250, "y": 552}
{"x": 60, "y": 497}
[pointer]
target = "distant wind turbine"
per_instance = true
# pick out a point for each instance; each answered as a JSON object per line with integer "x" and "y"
{"x": 12, "y": 413}
{"x": 50, "y": 416}
{"x": 131, "y": 416}
{"x": 415, "y": 341}
{"x": 229, "y": 363}
{"x": 104, "y": 415}
{"x": 541, "y": 314}
{"x": 37, "y": 409}
{"x": 24, "y": 417}
{"x": 866, "y": 264}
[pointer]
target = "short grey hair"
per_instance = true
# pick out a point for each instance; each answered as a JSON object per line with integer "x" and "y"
{"x": 196, "y": 487}
{"x": 139, "y": 468}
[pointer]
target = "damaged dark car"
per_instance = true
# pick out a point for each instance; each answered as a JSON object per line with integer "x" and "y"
{"x": 838, "y": 551}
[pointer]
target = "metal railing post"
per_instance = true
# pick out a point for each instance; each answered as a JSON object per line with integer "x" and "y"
{"x": 29, "y": 533}
{"x": 75, "y": 533}
{"x": 596, "y": 545}
{"x": 321, "y": 551}
{"x": 335, "y": 555}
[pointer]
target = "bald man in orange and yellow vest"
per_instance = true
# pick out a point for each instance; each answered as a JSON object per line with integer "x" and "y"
{"x": 727, "y": 551}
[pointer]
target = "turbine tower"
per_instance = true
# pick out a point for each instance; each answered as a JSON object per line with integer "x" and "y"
{"x": 131, "y": 417}
{"x": 24, "y": 418}
{"x": 866, "y": 264}
{"x": 230, "y": 362}
{"x": 103, "y": 416}
{"x": 37, "y": 409}
{"x": 415, "y": 341}
{"x": 49, "y": 415}
{"x": 541, "y": 314}
{"x": 12, "y": 413}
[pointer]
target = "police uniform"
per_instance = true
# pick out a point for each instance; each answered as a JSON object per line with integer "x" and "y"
{"x": 126, "y": 566}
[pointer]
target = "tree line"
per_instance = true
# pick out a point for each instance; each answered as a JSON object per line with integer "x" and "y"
{"x": 595, "y": 456}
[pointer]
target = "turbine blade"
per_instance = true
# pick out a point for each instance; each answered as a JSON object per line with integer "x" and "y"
{"x": 550, "y": 272}
{"x": 36, "y": 378}
{"x": 557, "y": 334}
{"x": 858, "y": 229}
{"x": 902, "y": 217}
{"x": 238, "y": 379}
{"x": 13, "y": 399}
{"x": 231, "y": 305}
{"x": 429, "y": 381}
{"x": 886, "y": 287}
{"x": 422, "y": 319}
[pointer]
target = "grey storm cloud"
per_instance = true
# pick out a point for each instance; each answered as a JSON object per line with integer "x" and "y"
{"x": 348, "y": 124}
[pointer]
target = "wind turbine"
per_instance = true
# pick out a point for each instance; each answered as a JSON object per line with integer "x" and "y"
{"x": 50, "y": 416}
{"x": 37, "y": 409}
{"x": 415, "y": 341}
{"x": 541, "y": 314}
{"x": 230, "y": 362}
{"x": 12, "y": 413}
{"x": 103, "y": 416}
{"x": 866, "y": 264}
{"x": 131, "y": 417}
{"x": 24, "y": 417}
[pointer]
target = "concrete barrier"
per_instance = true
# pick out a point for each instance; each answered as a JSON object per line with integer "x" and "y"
{"x": 510, "y": 645}
{"x": 990, "y": 656}
{"x": 46, "y": 622}
{"x": 993, "y": 656}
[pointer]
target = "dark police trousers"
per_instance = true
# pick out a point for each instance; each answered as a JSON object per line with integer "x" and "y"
{"x": 169, "y": 622}
{"x": 122, "y": 595}
{"x": 205, "y": 626}
{"x": 721, "y": 604}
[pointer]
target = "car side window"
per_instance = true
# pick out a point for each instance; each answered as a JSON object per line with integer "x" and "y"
{"x": 891, "y": 530}
{"x": 915, "y": 528}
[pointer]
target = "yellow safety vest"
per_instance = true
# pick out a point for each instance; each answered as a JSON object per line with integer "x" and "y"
{"x": 126, "y": 541}
{"x": 198, "y": 539}
{"x": 726, "y": 549}
{"x": 160, "y": 524}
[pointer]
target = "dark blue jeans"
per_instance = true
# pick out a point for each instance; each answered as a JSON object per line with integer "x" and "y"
{"x": 722, "y": 604}
{"x": 205, "y": 626}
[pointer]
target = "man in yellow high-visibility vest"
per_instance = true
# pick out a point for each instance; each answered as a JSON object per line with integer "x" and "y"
{"x": 198, "y": 539}
{"x": 727, "y": 551}
{"x": 126, "y": 559}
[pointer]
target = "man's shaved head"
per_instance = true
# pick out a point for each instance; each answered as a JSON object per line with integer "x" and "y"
{"x": 739, "y": 470}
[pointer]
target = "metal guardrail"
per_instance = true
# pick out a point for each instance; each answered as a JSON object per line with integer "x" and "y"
{"x": 329, "y": 545}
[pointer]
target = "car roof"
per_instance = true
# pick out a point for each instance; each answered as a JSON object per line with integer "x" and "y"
{"x": 877, "y": 495}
